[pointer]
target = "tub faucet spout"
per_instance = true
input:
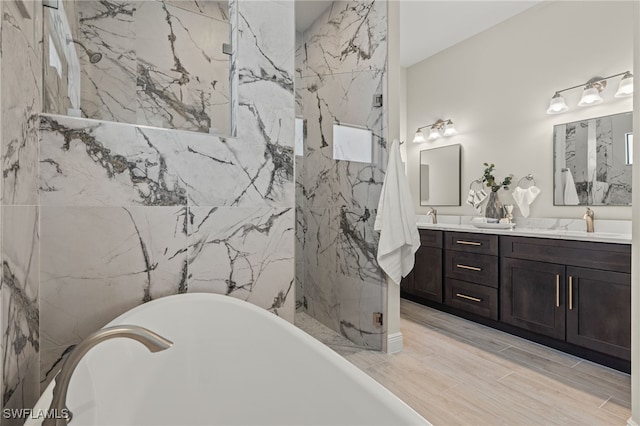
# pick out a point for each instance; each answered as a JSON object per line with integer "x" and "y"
{"x": 588, "y": 216}
{"x": 434, "y": 214}
{"x": 151, "y": 340}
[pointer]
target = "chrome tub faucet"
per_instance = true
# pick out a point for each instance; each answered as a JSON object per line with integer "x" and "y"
{"x": 151, "y": 340}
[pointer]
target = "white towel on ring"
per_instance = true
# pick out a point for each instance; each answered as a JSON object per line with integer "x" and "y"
{"x": 524, "y": 197}
{"x": 396, "y": 221}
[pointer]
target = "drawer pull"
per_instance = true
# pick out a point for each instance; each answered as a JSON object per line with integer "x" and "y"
{"x": 468, "y": 243}
{"x": 464, "y": 296}
{"x": 570, "y": 293}
{"x": 472, "y": 268}
{"x": 557, "y": 291}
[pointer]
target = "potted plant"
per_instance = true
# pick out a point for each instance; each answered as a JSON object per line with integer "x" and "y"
{"x": 494, "y": 206}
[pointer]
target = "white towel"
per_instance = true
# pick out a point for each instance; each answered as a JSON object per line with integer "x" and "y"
{"x": 569, "y": 192}
{"x": 524, "y": 197}
{"x": 475, "y": 198}
{"x": 396, "y": 221}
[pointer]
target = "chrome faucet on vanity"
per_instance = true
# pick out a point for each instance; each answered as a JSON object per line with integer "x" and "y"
{"x": 588, "y": 216}
{"x": 151, "y": 340}
{"x": 433, "y": 213}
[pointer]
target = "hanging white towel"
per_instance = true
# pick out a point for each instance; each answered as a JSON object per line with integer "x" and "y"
{"x": 524, "y": 197}
{"x": 570, "y": 194}
{"x": 396, "y": 221}
{"x": 475, "y": 198}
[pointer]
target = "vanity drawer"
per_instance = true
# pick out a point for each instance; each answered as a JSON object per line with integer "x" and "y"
{"x": 472, "y": 267}
{"x": 472, "y": 243}
{"x": 430, "y": 238}
{"x": 587, "y": 254}
{"x": 477, "y": 299}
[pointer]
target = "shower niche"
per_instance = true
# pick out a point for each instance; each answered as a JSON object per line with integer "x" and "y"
{"x": 159, "y": 63}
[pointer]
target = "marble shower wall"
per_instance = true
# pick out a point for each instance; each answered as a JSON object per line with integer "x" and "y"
{"x": 132, "y": 213}
{"x": 341, "y": 66}
{"x": 21, "y": 101}
{"x": 162, "y": 63}
{"x": 301, "y": 229}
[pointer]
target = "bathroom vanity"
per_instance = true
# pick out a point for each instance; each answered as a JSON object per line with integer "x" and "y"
{"x": 568, "y": 290}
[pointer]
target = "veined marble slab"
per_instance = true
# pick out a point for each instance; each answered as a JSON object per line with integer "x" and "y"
{"x": 606, "y": 231}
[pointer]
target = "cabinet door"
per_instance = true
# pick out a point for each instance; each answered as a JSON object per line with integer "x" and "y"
{"x": 406, "y": 284}
{"x": 427, "y": 274}
{"x": 532, "y": 296}
{"x": 599, "y": 310}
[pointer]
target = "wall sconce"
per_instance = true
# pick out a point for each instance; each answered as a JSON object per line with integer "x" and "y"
{"x": 591, "y": 93}
{"x": 437, "y": 129}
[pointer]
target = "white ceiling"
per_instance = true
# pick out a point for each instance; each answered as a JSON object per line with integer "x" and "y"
{"x": 426, "y": 26}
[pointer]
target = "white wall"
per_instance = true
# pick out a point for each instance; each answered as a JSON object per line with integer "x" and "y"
{"x": 496, "y": 87}
{"x": 394, "y": 111}
{"x": 635, "y": 253}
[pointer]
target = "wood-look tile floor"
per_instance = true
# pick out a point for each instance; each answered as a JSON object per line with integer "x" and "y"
{"x": 456, "y": 372}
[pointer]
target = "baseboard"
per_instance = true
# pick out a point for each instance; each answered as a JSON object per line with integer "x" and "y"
{"x": 630, "y": 422}
{"x": 394, "y": 343}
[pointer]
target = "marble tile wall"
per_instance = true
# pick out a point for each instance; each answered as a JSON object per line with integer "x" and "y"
{"x": 301, "y": 227}
{"x": 131, "y": 213}
{"x": 341, "y": 66}
{"x": 20, "y": 101}
{"x": 162, "y": 63}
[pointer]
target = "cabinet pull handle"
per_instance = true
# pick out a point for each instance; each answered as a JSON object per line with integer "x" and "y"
{"x": 570, "y": 293}
{"x": 472, "y": 268}
{"x": 464, "y": 296}
{"x": 468, "y": 243}
{"x": 557, "y": 290}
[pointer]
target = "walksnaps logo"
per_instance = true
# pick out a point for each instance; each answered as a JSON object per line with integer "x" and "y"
{"x": 28, "y": 413}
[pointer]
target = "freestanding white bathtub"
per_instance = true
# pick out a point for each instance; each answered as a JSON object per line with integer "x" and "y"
{"x": 231, "y": 363}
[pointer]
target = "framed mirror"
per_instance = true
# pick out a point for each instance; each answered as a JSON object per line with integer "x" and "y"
{"x": 155, "y": 63}
{"x": 440, "y": 176}
{"x": 592, "y": 161}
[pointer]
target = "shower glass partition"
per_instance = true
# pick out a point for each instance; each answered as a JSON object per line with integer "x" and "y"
{"x": 161, "y": 63}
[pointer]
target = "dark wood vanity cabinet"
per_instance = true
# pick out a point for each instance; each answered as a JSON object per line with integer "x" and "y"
{"x": 425, "y": 281}
{"x": 599, "y": 311}
{"x": 581, "y": 295}
{"x": 471, "y": 273}
{"x": 532, "y": 296}
{"x": 571, "y": 295}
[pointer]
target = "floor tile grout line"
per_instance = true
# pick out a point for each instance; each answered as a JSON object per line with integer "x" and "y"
{"x": 607, "y": 400}
{"x": 506, "y": 375}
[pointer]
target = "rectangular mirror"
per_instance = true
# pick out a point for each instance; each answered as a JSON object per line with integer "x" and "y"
{"x": 156, "y": 63}
{"x": 592, "y": 163}
{"x": 440, "y": 176}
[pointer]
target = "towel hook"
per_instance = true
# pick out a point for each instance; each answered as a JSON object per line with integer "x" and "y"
{"x": 528, "y": 177}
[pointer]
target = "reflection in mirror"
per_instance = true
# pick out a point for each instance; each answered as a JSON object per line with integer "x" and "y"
{"x": 592, "y": 163}
{"x": 162, "y": 63}
{"x": 440, "y": 176}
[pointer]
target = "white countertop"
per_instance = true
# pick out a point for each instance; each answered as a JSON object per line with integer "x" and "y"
{"x": 619, "y": 233}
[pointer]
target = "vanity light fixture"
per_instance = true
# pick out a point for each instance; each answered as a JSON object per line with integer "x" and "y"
{"x": 437, "y": 129}
{"x": 591, "y": 93}
{"x": 625, "y": 88}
